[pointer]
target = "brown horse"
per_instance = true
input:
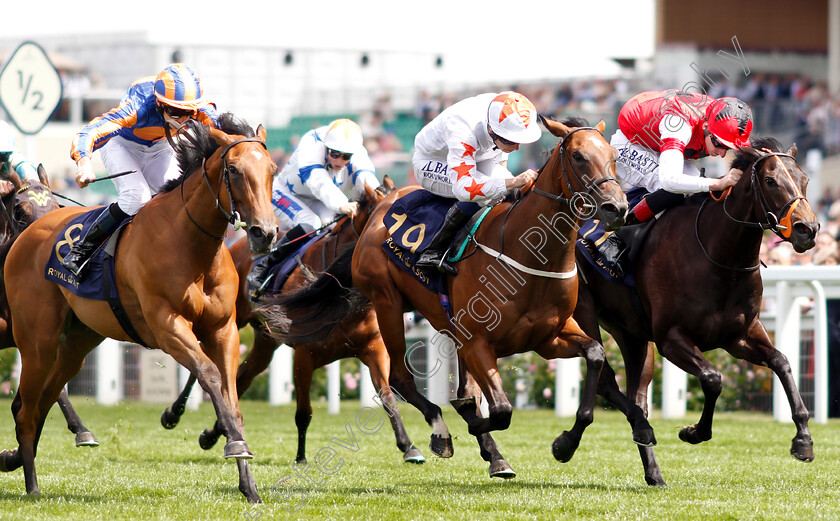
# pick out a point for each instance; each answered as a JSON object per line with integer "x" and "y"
{"x": 26, "y": 202}
{"x": 176, "y": 281}
{"x": 358, "y": 336}
{"x": 516, "y": 293}
{"x": 706, "y": 293}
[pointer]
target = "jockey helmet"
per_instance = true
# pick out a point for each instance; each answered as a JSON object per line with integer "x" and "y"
{"x": 513, "y": 117}
{"x": 7, "y": 138}
{"x": 179, "y": 86}
{"x": 730, "y": 121}
{"x": 343, "y": 135}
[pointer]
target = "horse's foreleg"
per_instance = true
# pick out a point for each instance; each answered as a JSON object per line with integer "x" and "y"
{"x": 84, "y": 438}
{"x": 302, "y": 374}
{"x": 375, "y": 356}
{"x": 683, "y": 353}
{"x": 468, "y": 406}
{"x": 571, "y": 342}
{"x": 172, "y": 415}
{"x": 216, "y": 372}
{"x": 257, "y": 361}
{"x": 480, "y": 360}
{"x": 758, "y": 350}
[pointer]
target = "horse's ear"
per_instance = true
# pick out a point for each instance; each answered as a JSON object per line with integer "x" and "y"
{"x": 750, "y": 154}
{"x": 601, "y": 126}
{"x": 42, "y": 175}
{"x": 15, "y": 179}
{"x": 220, "y": 137}
{"x": 370, "y": 193}
{"x": 555, "y": 127}
{"x": 388, "y": 183}
{"x": 793, "y": 150}
{"x": 261, "y": 133}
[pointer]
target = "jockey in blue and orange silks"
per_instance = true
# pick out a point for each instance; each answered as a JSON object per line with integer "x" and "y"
{"x": 329, "y": 167}
{"x": 132, "y": 137}
{"x": 462, "y": 154}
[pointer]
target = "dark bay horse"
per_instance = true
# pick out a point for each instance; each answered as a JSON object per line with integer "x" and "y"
{"x": 176, "y": 281}
{"x": 26, "y": 202}
{"x": 357, "y": 336}
{"x": 516, "y": 293}
{"x": 706, "y": 293}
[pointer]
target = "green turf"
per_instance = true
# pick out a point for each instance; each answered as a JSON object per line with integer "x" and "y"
{"x": 142, "y": 471}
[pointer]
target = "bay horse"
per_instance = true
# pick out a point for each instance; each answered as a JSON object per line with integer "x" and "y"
{"x": 527, "y": 247}
{"x": 699, "y": 286}
{"x": 357, "y": 336}
{"x": 176, "y": 280}
{"x": 25, "y": 203}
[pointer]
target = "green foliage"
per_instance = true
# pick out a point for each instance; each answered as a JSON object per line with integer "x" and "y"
{"x": 7, "y": 363}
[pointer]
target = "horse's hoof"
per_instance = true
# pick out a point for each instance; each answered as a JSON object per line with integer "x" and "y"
{"x": 655, "y": 481}
{"x": 206, "y": 440}
{"x": 501, "y": 469}
{"x": 237, "y": 450}
{"x": 300, "y": 461}
{"x": 803, "y": 450}
{"x": 3, "y": 455}
{"x": 86, "y": 439}
{"x": 169, "y": 419}
{"x": 413, "y": 455}
{"x": 563, "y": 448}
{"x": 644, "y": 437}
{"x": 691, "y": 435}
{"x": 441, "y": 446}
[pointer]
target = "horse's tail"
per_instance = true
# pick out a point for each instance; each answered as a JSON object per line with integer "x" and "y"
{"x": 310, "y": 313}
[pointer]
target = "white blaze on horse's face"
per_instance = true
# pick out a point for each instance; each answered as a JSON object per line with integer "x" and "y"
{"x": 257, "y": 155}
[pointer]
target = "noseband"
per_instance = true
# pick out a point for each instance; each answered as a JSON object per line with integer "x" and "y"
{"x": 772, "y": 221}
{"x": 564, "y": 158}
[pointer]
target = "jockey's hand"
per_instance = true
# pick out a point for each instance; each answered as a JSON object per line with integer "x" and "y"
{"x": 6, "y": 187}
{"x": 84, "y": 172}
{"x": 521, "y": 180}
{"x": 349, "y": 209}
{"x": 726, "y": 181}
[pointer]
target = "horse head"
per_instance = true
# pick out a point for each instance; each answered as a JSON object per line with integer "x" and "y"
{"x": 368, "y": 201}
{"x": 27, "y": 201}
{"x": 247, "y": 171}
{"x": 776, "y": 185}
{"x": 584, "y": 169}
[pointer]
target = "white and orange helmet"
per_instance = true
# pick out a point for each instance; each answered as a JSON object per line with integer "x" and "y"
{"x": 512, "y": 116}
{"x": 343, "y": 135}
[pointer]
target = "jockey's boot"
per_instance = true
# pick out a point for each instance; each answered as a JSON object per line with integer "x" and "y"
{"x": 258, "y": 279}
{"x": 107, "y": 222}
{"x": 435, "y": 254}
{"x": 613, "y": 249}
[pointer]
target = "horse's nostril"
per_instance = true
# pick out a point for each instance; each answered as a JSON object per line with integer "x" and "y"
{"x": 256, "y": 233}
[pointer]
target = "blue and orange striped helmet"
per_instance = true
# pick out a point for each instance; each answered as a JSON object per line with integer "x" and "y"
{"x": 179, "y": 86}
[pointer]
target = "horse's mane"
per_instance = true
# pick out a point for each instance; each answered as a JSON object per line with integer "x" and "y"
{"x": 201, "y": 145}
{"x": 575, "y": 121}
{"x": 743, "y": 160}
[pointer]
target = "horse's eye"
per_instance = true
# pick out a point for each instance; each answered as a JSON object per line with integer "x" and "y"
{"x": 769, "y": 181}
{"x": 232, "y": 170}
{"x": 577, "y": 155}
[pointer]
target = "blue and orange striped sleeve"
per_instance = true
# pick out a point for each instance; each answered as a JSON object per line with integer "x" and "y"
{"x": 101, "y": 129}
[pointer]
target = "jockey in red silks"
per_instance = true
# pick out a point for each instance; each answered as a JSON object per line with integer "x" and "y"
{"x": 462, "y": 154}
{"x": 660, "y": 134}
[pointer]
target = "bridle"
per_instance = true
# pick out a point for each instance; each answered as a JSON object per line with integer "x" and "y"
{"x": 233, "y": 216}
{"x": 16, "y": 225}
{"x": 772, "y": 220}
{"x": 564, "y": 159}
